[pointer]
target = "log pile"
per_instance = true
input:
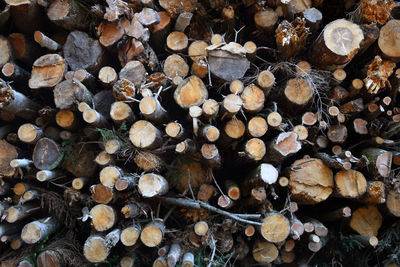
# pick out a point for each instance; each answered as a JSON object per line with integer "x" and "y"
{"x": 199, "y": 133}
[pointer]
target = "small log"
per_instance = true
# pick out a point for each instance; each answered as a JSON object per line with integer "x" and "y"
{"x": 14, "y": 72}
{"x": 46, "y": 42}
{"x": 20, "y": 188}
{"x": 236, "y": 87}
{"x": 298, "y": 92}
{"x": 350, "y": 184}
{"x": 366, "y": 221}
{"x": 266, "y": 80}
{"x": 130, "y": 235}
{"x": 211, "y": 155}
{"x": 360, "y": 126}
{"x": 129, "y": 260}
{"x": 121, "y": 112}
{"x": 66, "y": 119}
{"x": 275, "y": 228}
{"x": 29, "y": 133}
{"x": 337, "y": 214}
{"x": 210, "y": 133}
{"x": 151, "y": 185}
{"x": 380, "y": 162}
{"x": 102, "y": 194}
{"x": 38, "y": 230}
{"x": 46, "y": 175}
{"x": 254, "y": 149}
{"x": 283, "y": 146}
{"x": 104, "y": 159}
{"x": 311, "y": 181}
{"x": 337, "y": 133}
{"x": 253, "y": 99}
{"x": 19, "y": 212}
{"x": 108, "y": 76}
{"x": 186, "y": 147}
{"x": 97, "y": 247}
{"x": 47, "y": 71}
{"x": 144, "y": 135}
{"x": 49, "y": 257}
{"x": 339, "y": 75}
{"x": 80, "y": 182}
{"x": 83, "y": 52}
{"x": 177, "y": 41}
{"x": 109, "y": 33}
{"x": 134, "y": 210}
{"x": 257, "y": 127}
{"x": 153, "y": 233}
{"x": 337, "y": 45}
{"x": 94, "y": 118}
{"x": 174, "y": 130}
{"x": 148, "y": 161}
{"x": 225, "y": 202}
{"x": 174, "y": 254}
{"x": 266, "y": 20}
{"x": 160, "y": 262}
{"x": 234, "y": 128}
{"x": 313, "y": 19}
{"x": 103, "y": 217}
{"x": 109, "y": 175}
{"x": 112, "y": 146}
{"x": 151, "y": 109}
{"x": 47, "y": 154}
{"x": 265, "y": 252}
{"x": 296, "y": 228}
{"x": 201, "y": 228}
{"x": 125, "y": 183}
{"x": 188, "y": 260}
{"x": 197, "y": 51}
{"x": 301, "y": 131}
{"x": 174, "y": 66}
{"x": 232, "y": 104}
{"x": 6, "y": 51}
{"x": 392, "y": 202}
{"x": 67, "y": 14}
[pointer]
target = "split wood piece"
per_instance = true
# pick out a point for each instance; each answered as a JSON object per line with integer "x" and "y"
{"x": 352, "y": 107}
{"x": 24, "y": 49}
{"x": 186, "y": 147}
{"x": 254, "y": 149}
{"x": 337, "y": 214}
{"x": 298, "y": 92}
{"x": 337, "y": 45}
{"x": 283, "y": 146}
{"x": 313, "y": 19}
{"x": 153, "y": 233}
{"x": 125, "y": 183}
{"x": 19, "y": 212}
{"x": 296, "y": 228}
{"x": 177, "y": 41}
{"x": 135, "y": 209}
{"x": 350, "y": 184}
{"x": 147, "y": 16}
{"x": 47, "y": 154}
{"x": 393, "y": 201}
{"x": 151, "y": 109}
{"x": 102, "y": 194}
{"x": 188, "y": 260}
{"x": 103, "y": 217}
{"x": 388, "y": 42}
{"x": 337, "y": 133}
{"x": 210, "y": 133}
{"x": 266, "y": 20}
{"x": 190, "y": 92}
{"x": 366, "y": 221}
{"x": 370, "y": 11}
{"x": 68, "y": 15}
{"x": 174, "y": 254}
{"x": 227, "y": 62}
{"x": 275, "y": 228}
{"x": 97, "y": 247}
{"x": 80, "y": 182}
{"x": 257, "y": 126}
{"x": 151, "y": 185}
{"x": 38, "y": 230}
{"x": 311, "y": 181}
{"x": 121, "y": 112}
{"x": 183, "y": 21}
{"x": 112, "y": 146}
{"x": 253, "y": 99}
{"x": 266, "y": 80}
{"x": 69, "y": 92}
{"x": 108, "y": 76}
{"x": 380, "y": 162}
{"x": 66, "y": 119}
{"x": 46, "y": 42}
{"x": 211, "y": 155}
{"x": 15, "y": 73}
{"x": 376, "y": 193}
{"x": 175, "y": 130}
{"x": 265, "y": 252}
{"x": 47, "y": 71}
{"x": 274, "y": 119}
{"x": 109, "y": 33}
{"x": 201, "y": 228}
{"x": 236, "y": 87}
{"x": 94, "y": 118}
{"x": 29, "y": 133}
{"x": 175, "y": 7}
{"x": 144, "y": 135}
{"x": 378, "y": 73}
{"x": 148, "y": 161}
{"x": 6, "y": 54}
{"x": 46, "y": 175}
{"x": 83, "y": 52}
{"x": 360, "y": 126}
{"x": 291, "y": 37}
{"x": 130, "y": 235}
{"x": 174, "y": 66}
{"x": 232, "y": 104}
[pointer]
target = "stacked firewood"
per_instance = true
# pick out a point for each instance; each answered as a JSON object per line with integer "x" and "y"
{"x": 197, "y": 132}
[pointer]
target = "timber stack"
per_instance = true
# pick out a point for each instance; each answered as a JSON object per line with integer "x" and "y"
{"x": 199, "y": 133}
